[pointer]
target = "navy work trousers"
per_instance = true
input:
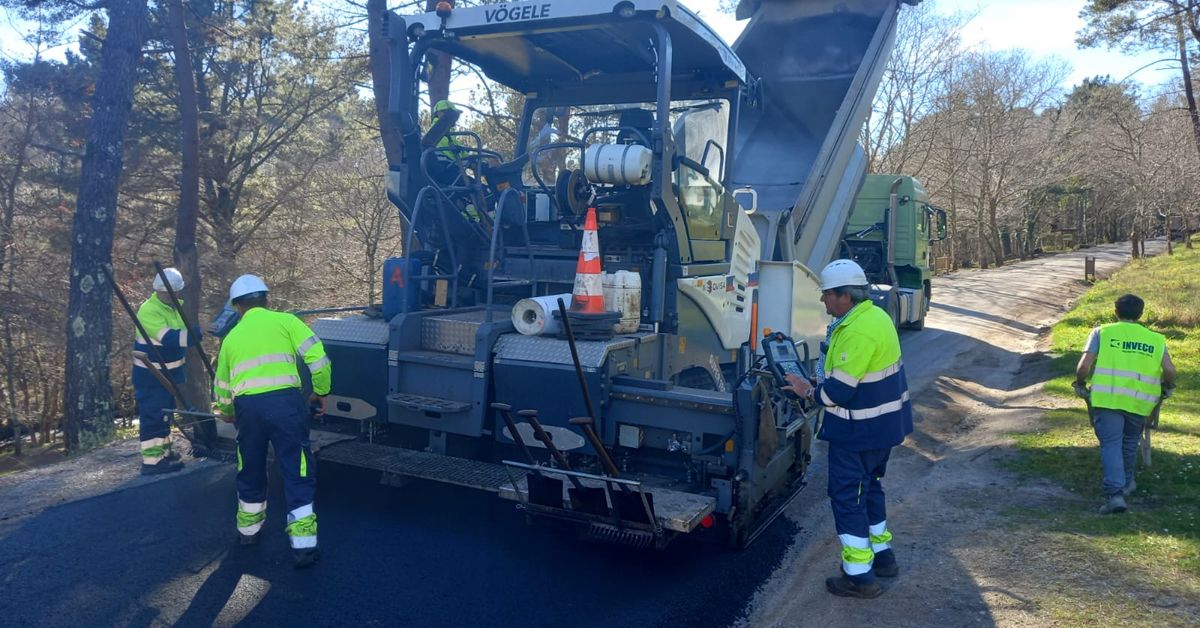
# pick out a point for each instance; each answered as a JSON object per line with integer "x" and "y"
{"x": 856, "y": 495}
{"x": 151, "y": 400}
{"x": 279, "y": 417}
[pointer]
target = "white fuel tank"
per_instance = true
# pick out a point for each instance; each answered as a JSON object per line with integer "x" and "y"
{"x": 617, "y": 164}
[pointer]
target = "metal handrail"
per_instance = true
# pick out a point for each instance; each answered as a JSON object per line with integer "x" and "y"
{"x": 491, "y": 271}
{"x": 533, "y": 155}
{"x": 437, "y": 186}
{"x": 412, "y": 229}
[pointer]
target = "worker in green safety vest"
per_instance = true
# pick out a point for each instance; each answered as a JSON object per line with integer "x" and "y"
{"x": 448, "y": 169}
{"x": 257, "y": 386}
{"x": 448, "y": 148}
{"x": 1131, "y": 373}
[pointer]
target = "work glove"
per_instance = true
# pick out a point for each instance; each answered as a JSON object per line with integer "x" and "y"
{"x": 1167, "y": 392}
{"x": 1081, "y": 390}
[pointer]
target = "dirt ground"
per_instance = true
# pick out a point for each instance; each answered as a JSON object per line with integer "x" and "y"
{"x": 965, "y": 557}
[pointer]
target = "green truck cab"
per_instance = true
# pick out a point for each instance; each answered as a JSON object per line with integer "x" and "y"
{"x": 889, "y": 233}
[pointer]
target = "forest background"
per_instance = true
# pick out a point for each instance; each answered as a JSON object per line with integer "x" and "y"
{"x": 235, "y": 136}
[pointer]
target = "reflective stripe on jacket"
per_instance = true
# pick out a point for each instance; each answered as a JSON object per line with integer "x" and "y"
{"x": 167, "y": 334}
{"x": 865, "y": 392}
{"x": 1128, "y": 373}
{"x": 259, "y": 355}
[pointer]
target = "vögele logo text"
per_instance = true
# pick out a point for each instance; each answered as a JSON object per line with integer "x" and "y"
{"x": 517, "y": 13}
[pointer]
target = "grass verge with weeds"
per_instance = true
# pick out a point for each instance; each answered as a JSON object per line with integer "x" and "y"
{"x": 1151, "y": 555}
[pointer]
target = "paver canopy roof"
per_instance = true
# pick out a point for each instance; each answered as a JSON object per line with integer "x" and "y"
{"x": 528, "y": 44}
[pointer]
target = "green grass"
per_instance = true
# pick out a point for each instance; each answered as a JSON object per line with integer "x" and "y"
{"x": 1158, "y": 542}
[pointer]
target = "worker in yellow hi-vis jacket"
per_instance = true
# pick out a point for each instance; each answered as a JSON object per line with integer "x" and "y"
{"x": 257, "y": 386}
{"x": 169, "y": 340}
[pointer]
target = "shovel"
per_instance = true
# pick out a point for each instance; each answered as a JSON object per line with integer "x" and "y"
{"x": 627, "y": 502}
{"x": 543, "y": 489}
{"x": 587, "y": 499}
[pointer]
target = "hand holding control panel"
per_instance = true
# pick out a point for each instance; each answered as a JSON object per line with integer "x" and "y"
{"x": 783, "y": 360}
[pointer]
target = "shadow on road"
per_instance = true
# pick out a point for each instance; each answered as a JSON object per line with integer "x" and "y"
{"x": 1002, "y": 320}
{"x": 420, "y": 555}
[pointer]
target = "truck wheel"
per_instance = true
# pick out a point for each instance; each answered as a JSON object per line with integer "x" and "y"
{"x": 893, "y": 308}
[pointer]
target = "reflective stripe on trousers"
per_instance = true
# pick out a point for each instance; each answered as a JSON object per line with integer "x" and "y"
{"x": 302, "y": 527}
{"x": 250, "y": 517}
{"x": 154, "y": 450}
{"x": 881, "y": 537}
{"x": 856, "y": 554}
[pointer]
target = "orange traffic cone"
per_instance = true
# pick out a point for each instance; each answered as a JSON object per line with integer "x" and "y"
{"x": 588, "y": 295}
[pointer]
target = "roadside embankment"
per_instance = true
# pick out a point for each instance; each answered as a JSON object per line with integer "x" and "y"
{"x": 1143, "y": 567}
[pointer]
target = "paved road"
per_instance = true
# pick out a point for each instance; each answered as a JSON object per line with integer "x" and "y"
{"x": 158, "y": 553}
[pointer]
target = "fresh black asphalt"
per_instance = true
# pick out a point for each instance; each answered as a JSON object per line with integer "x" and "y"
{"x": 418, "y": 555}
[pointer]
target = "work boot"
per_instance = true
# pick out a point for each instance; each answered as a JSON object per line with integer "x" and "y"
{"x": 1130, "y": 487}
{"x": 166, "y": 465}
{"x": 845, "y": 586}
{"x": 1115, "y": 504}
{"x": 305, "y": 557}
{"x": 249, "y": 539}
{"x": 885, "y": 565}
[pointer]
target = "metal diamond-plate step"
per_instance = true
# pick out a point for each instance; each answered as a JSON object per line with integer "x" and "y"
{"x": 451, "y": 333}
{"x": 418, "y": 464}
{"x": 417, "y": 403}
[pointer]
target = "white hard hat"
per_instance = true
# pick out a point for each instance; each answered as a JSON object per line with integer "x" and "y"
{"x": 174, "y": 276}
{"x": 842, "y": 272}
{"x": 246, "y": 284}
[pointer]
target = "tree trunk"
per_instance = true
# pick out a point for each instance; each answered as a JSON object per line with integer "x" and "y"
{"x": 953, "y": 227}
{"x": 981, "y": 259}
{"x": 439, "y": 74}
{"x": 185, "y": 255}
{"x": 1188, "y": 88}
{"x": 19, "y": 160}
{"x": 994, "y": 241}
{"x": 1170, "y": 250}
{"x": 10, "y": 384}
{"x": 1135, "y": 238}
{"x": 87, "y": 397}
